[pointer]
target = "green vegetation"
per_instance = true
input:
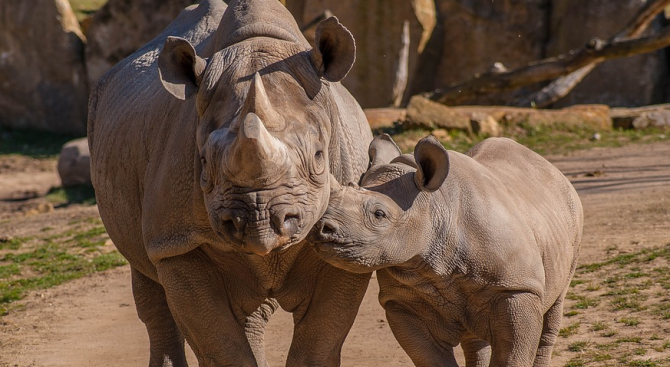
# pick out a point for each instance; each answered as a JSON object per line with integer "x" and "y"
{"x": 47, "y": 260}
{"x": 83, "y": 194}
{"x": 544, "y": 140}
{"x": 33, "y": 144}
{"x": 632, "y": 290}
{"x": 85, "y": 8}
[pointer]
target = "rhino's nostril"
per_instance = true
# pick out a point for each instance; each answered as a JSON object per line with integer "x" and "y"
{"x": 233, "y": 222}
{"x": 286, "y": 223}
{"x": 328, "y": 227}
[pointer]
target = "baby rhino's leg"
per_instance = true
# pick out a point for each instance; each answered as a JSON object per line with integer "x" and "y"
{"x": 477, "y": 351}
{"x": 414, "y": 336}
{"x": 552, "y": 324}
{"x": 516, "y": 327}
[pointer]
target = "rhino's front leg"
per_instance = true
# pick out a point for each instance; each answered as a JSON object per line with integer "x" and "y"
{"x": 166, "y": 343}
{"x": 201, "y": 306}
{"x": 515, "y": 328}
{"x": 323, "y": 319}
{"x": 477, "y": 351}
{"x": 416, "y": 337}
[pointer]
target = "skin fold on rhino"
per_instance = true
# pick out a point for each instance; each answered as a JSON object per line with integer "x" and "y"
{"x": 212, "y": 149}
{"x": 476, "y": 248}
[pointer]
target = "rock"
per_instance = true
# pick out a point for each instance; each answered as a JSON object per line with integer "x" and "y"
{"x": 482, "y": 34}
{"x": 441, "y": 135}
{"x": 626, "y": 82}
{"x": 377, "y": 26}
{"x": 384, "y": 117}
{"x": 484, "y": 124}
{"x": 640, "y": 118}
{"x": 74, "y": 163}
{"x": 122, "y": 26}
{"x": 42, "y": 74}
{"x": 424, "y": 113}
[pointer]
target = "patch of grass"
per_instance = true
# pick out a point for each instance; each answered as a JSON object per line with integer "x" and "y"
{"x": 33, "y": 144}
{"x": 599, "y": 325}
{"x": 569, "y": 330}
{"x": 12, "y": 243}
{"x": 629, "y": 321}
{"x": 85, "y": 8}
{"x": 52, "y": 257}
{"x": 628, "y": 303}
{"x": 571, "y": 313}
{"x": 83, "y": 194}
{"x": 629, "y": 339}
{"x": 575, "y": 362}
{"x": 578, "y": 346}
{"x": 584, "y": 302}
{"x": 8, "y": 270}
{"x": 52, "y": 265}
{"x": 641, "y": 363}
{"x": 544, "y": 140}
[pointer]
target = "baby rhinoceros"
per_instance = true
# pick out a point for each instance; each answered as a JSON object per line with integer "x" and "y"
{"x": 476, "y": 248}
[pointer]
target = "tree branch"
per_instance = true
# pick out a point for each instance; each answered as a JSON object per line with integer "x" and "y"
{"x": 571, "y": 67}
{"x": 560, "y": 87}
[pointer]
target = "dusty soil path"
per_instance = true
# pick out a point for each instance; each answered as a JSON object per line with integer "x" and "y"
{"x": 92, "y": 322}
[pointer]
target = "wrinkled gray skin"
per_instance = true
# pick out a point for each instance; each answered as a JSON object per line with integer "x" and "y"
{"x": 211, "y": 155}
{"x": 476, "y": 249}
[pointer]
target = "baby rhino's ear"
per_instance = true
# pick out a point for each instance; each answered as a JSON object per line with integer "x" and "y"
{"x": 382, "y": 150}
{"x": 433, "y": 164}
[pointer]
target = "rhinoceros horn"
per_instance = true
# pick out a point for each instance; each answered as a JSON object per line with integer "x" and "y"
{"x": 257, "y": 102}
{"x": 256, "y": 158}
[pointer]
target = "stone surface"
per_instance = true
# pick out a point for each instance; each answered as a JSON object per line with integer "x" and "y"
{"x": 377, "y": 27}
{"x": 384, "y": 117}
{"x": 479, "y": 33}
{"x": 633, "y": 81}
{"x": 643, "y": 117}
{"x": 74, "y": 163}
{"x": 426, "y": 114}
{"x": 42, "y": 75}
{"x": 123, "y": 26}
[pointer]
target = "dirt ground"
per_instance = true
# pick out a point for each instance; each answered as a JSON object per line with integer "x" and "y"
{"x": 92, "y": 321}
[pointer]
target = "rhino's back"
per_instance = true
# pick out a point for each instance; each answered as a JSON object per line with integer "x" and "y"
{"x": 542, "y": 212}
{"x": 133, "y": 122}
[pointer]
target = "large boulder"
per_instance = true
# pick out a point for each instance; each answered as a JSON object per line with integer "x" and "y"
{"x": 633, "y": 81}
{"x": 122, "y": 26}
{"x": 43, "y": 81}
{"x": 479, "y": 33}
{"x": 74, "y": 163}
{"x": 377, "y": 26}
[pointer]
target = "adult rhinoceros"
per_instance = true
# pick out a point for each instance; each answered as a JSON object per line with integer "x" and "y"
{"x": 210, "y": 172}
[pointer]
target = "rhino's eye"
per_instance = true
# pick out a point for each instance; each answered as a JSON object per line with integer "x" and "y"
{"x": 203, "y": 160}
{"x": 380, "y": 214}
{"x": 319, "y": 154}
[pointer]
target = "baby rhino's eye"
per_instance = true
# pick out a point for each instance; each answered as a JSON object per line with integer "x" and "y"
{"x": 379, "y": 214}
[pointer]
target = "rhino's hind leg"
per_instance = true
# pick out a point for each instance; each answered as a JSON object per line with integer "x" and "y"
{"x": 477, "y": 351}
{"x": 516, "y": 327}
{"x": 165, "y": 339}
{"x": 550, "y": 328}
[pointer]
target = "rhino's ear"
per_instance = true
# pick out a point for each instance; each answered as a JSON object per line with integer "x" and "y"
{"x": 433, "y": 164}
{"x": 334, "y": 50}
{"x": 179, "y": 68}
{"x": 382, "y": 150}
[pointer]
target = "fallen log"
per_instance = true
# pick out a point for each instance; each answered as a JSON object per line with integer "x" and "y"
{"x": 560, "y": 87}
{"x": 594, "y": 52}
